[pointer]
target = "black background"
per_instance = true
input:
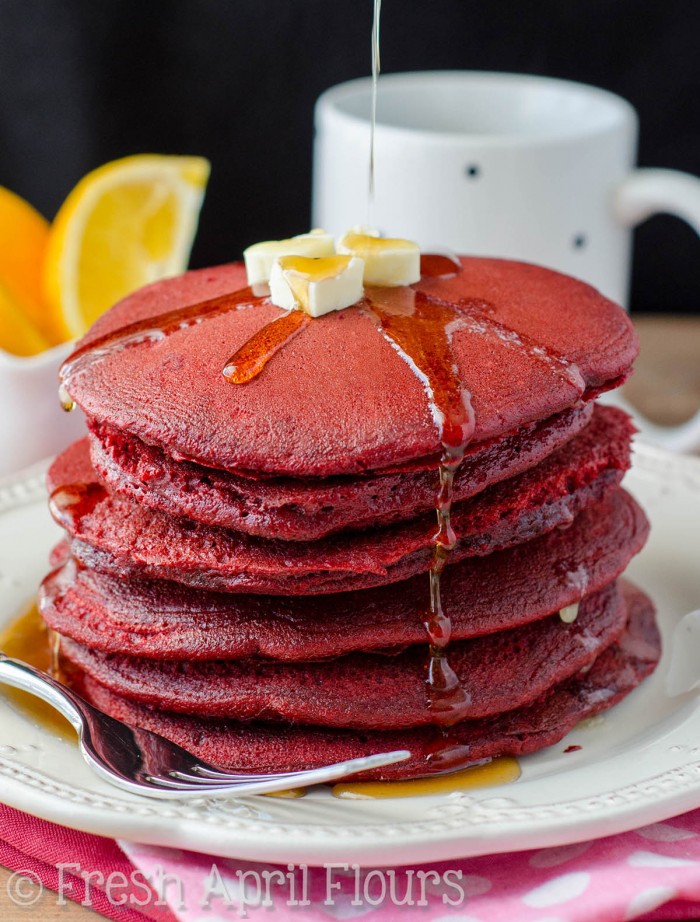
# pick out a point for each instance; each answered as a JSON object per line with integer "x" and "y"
{"x": 85, "y": 81}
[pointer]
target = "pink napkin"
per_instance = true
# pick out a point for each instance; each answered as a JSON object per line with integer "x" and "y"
{"x": 608, "y": 880}
{"x": 652, "y": 873}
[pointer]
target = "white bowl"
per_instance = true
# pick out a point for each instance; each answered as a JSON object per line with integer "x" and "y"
{"x": 32, "y": 424}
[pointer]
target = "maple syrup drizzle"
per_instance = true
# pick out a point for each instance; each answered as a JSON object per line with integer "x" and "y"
{"x": 420, "y": 328}
{"x": 152, "y": 329}
{"x": 51, "y": 591}
{"x": 251, "y": 358}
{"x": 510, "y": 339}
{"x": 376, "y": 67}
{"x": 54, "y": 639}
{"x": 59, "y": 581}
{"x": 71, "y": 502}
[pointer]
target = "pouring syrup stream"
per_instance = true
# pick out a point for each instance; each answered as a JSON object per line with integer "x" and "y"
{"x": 376, "y": 66}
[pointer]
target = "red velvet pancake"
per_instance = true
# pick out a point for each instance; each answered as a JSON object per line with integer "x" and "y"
{"x": 339, "y": 399}
{"x": 151, "y": 618}
{"x": 306, "y": 510}
{"x": 378, "y": 691}
{"x": 263, "y": 747}
{"x": 113, "y": 534}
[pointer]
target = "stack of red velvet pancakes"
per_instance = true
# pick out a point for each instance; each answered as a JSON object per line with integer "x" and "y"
{"x": 253, "y": 564}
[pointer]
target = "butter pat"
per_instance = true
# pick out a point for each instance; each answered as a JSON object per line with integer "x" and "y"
{"x": 260, "y": 257}
{"x": 316, "y": 285}
{"x": 389, "y": 261}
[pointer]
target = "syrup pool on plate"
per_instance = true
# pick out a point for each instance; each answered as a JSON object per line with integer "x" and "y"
{"x": 503, "y": 770}
{"x": 28, "y": 639}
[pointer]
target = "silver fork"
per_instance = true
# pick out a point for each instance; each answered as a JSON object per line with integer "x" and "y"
{"x": 145, "y": 763}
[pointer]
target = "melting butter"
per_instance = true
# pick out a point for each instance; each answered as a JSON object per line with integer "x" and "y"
{"x": 260, "y": 257}
{"x": 389, "y": 261}
{"x": 316, "y": 285}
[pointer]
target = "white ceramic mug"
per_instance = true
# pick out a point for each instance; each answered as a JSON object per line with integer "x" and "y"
{"x": 498, "y": 164}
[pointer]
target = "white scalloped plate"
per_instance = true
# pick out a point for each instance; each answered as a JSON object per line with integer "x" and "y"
{"x": 638, "y": 765}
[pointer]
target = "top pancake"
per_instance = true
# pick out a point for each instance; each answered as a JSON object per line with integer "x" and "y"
{"x": 338, "y": 399}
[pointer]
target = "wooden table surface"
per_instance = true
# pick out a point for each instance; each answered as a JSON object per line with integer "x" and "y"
{"x": 665, "y": 386}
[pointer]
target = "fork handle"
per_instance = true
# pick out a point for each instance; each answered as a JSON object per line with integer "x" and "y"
{"x": 27, "y": 678}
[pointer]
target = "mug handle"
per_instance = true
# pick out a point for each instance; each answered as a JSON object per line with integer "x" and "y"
{"x": 642, "y": 194}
